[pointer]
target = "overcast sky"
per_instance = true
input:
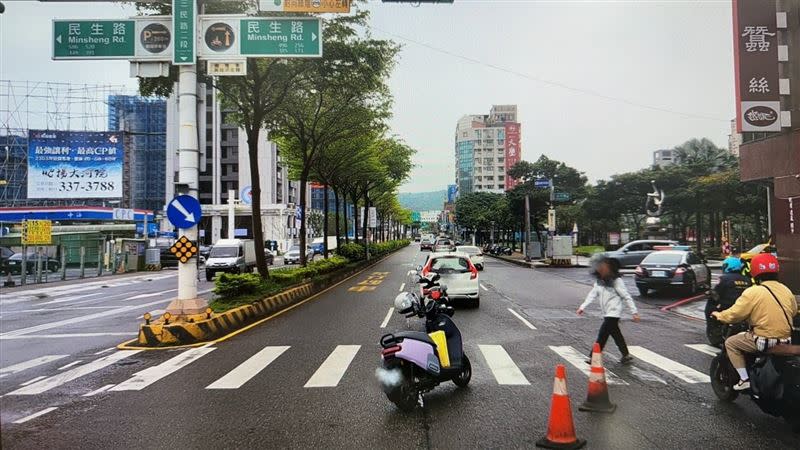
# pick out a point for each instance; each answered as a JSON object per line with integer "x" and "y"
{"x": 599, "y": 84}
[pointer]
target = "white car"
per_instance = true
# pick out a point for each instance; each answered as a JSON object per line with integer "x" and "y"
{"x": 457, "y": 273}
{"x": 475, "y": 254}
{"x": 293, "y": 255}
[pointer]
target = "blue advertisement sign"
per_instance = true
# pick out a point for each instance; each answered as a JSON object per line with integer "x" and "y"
{"x": 452, "y": 193}
{"x": 74, "y": 164}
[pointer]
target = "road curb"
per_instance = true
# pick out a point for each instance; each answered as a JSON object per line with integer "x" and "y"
{"x": 516, "y": 262}
{"x": 225, "y": 325}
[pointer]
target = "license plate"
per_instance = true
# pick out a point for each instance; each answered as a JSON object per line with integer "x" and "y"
{"x": 659, "y": 273}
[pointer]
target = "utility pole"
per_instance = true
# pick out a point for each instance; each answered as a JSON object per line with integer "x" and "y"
{"x": 527, "y": 228}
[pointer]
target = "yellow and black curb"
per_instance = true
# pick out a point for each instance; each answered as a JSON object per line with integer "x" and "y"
{"x": 229, "y": 323}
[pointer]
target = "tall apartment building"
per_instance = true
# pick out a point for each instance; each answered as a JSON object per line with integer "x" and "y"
{"x": 486, "y": 146}
{"x": 663, "y": 158}
{"x": 734, "y": 140}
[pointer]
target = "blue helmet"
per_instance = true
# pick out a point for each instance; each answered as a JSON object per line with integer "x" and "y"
{"x": 732, "y": 264}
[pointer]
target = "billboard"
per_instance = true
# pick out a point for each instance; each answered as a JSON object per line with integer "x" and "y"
{"x": 755, "y": 31}
{"x": 74, "y": 164}
{"x": 452, "y": 193}
{"x": 513, "y": 132}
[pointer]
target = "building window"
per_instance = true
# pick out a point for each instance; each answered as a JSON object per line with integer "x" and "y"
{"x": 501, "y": 178}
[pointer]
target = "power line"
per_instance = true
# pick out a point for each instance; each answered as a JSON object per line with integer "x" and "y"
{"x": 551, "y": 82}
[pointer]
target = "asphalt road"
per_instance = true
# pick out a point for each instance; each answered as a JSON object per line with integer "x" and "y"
{"x": 306, "y": 378}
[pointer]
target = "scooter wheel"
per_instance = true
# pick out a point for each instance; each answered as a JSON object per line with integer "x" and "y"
{"x": 462, "y": 380}
{"x": 404, "y": 395}
{"x": 720, "y": 380}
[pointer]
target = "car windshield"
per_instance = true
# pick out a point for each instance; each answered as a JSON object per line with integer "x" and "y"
{"x": 450, "y": 265}
{"x": 224, "y": 252}
{"x": 471, "y": 251}
{"x": 663, "y": 258}
{"x": 295, "y": 248}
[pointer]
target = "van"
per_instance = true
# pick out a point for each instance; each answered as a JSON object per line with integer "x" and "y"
{"x": 231, "y": 256}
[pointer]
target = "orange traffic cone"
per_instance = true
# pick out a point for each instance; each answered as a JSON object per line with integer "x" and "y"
{"x": 560, "y": 428}
{"x": 597, "y": 398}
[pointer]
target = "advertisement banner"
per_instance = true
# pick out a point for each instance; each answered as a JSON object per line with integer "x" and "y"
{"x": 452, "y": 193}
{"x": 74, "y": 164}
{"x": 512, "y": 151}
{"x": 755, "y": 31}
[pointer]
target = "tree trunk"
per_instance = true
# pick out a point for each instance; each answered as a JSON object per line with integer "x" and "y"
{"x": 355, "y": 217}
{"x": 338, "y": 228}
{"x": 366, "y": 217}
{"x": 255, "y": 185}
{"x": 303, "y": 216}
{"x": 325, "y": 223}
{"x": 698, "y": 233}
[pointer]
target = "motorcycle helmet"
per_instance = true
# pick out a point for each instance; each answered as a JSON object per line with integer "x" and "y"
{"x": 764, "y": 263}
{"x": 404, "y": 302}
{"x": 732, "y": 264}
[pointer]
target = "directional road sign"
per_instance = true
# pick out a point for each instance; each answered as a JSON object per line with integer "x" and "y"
{"x": 561, "y": 196}
{"x": 296, "y": 36}
{"x": 93, "y": 39}
{"x": 183, "y": 26}
{"x": 184, "y": 211}
{"x": 541, "y": 183}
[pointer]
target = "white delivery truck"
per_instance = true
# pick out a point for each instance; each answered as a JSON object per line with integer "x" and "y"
{"x": 231, "y": 256}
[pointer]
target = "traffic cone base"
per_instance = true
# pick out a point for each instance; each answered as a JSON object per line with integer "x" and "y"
{"x": 597, "y": 399}
{"x": 560, "y": 427}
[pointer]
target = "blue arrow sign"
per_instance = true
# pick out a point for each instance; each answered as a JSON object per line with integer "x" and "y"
{"x": 184, "y": 211}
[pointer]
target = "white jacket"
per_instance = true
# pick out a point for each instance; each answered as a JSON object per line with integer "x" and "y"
{"x": 611, "y": 298}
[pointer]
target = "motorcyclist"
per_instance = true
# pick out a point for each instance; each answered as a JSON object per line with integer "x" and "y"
{"x": 768, "y": 306}
{"x": 731, "y": 285}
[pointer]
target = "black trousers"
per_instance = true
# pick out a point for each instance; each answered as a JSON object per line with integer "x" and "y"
{"x": 610, "y": 327}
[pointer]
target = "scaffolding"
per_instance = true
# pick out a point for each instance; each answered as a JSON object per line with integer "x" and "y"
{"x": 26, "y": 105}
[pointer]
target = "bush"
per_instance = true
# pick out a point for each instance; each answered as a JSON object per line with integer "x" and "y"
{"x": 352, "y": 251}
{"x": 588, "y": 250}
{"x": 236, "y": 285}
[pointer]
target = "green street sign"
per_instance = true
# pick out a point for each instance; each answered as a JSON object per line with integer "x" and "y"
{"x": 183, "y": 25}
{"x": 93, "y": 39}
{"x": 287, "y": 37}
{"x": 561, "y": 196}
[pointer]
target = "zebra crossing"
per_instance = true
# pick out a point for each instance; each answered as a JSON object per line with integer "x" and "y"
{"x": 649, "y": 367}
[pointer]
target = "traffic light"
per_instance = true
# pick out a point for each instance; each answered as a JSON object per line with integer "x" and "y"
{"x": 184, "y": 249}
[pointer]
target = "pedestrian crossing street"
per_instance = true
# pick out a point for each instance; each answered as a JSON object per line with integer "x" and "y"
{"x": 649, "y": 367}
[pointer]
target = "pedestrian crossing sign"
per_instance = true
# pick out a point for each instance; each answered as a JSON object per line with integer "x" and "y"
{"x": 184, "y": 249}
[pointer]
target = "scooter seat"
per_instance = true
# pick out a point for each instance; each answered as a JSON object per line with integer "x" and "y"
{"x": 415, "y": 335}
{"x": 784, "y": 350}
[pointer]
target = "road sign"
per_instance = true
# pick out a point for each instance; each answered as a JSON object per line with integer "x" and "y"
{"x": 183, "y": 24}
{"x": 314, "y": 6}
{"x": 561, "y": 196}
{"x": 93, "y": 39}
{"x": 373, "y": 217}
{"x": 37, "y": 232}
{"x": 541, "y": 183}
{"x": 122, "y": 214}
{"x": 227, "y": 68}
{"x": 295, "y": 36}
{"x": 184, "y": 211}
{"x": 184, "y": 249}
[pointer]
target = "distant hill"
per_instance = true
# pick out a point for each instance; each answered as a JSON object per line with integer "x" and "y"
{"x": 423, "y": 201}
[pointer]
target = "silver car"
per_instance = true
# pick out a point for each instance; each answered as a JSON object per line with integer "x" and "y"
{"x": 457, "y": 273}
{"x": 293, "y": 255}
{"x": 632, "y": 253}
{"x": 475, "y": 255}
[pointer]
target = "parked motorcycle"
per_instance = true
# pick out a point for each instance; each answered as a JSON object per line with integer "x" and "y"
{"x": 776, "y": 390}
{"x": 415, "y": 362}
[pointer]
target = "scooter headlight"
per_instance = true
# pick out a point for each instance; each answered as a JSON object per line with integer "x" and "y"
{"x": 403, "y": 303}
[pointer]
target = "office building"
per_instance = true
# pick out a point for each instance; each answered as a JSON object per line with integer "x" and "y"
{"x": 486, "y": 147}
{"x": 663, "y": 158}
{"x": 734, "y": 140}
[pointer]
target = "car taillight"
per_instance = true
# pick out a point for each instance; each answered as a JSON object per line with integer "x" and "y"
{"x": 391, "y": 350}
{"x": 473, "y": 270}
{"x": 639, "y": 270}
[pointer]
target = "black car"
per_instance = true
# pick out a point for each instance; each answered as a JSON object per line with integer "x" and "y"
{"x": 672, "y": 268}
{"x": 14, "y": 263}
{"x": 168, "y": 259}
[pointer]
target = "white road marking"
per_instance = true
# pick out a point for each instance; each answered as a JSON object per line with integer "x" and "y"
{"x": 35, "y": 415}
{"x": 387, "y": 318}
{"x": 503, "y": 368}
{"x": 79, "y": 319}
{"x": 105, "y": 351}
{"x": 65, "y": 308}
{"x": 64, "y": 377}
{"x": 402, "y": 286}
{"x": 248, "y": 369}
{"x": 98, "y": 391}
{"x": 705, "y": 348}
{"x": 578, "y": 360}
{"x": 641, "y": 374}
{"x": 152, "y": 294}
{"x": 66, "y": 336}
{"x": 33, "y": 380}
{"x": 155, "y": 312}
{"x": 74, "y": 297}
{"x": 73, "y": 363}
{"x": 333, "y": 368}
{"x": 19, "y": 367}
{"x": 146, "y": 377}
{"x": 525, "y": 321}
{"x": 674, "y": 368}
{"x": 484, "y": 287}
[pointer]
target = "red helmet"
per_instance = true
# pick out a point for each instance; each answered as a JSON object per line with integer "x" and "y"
{"x": 764, "y": 263}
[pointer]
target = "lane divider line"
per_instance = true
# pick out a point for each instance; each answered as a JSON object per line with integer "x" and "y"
{"x": 525, "y": 321}
{"x": 98, "y": 391}
{"x": 35, "y": 415}
{"x": 387, "y": 318}
{"x": 484, "y": 287}
{"x": 402, "y": 286}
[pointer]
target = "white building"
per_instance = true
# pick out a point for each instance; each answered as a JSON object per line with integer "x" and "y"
{"x": 483, "y": 153}
{"x": 734, "y": 140}
{"x": 663, "y": 158}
